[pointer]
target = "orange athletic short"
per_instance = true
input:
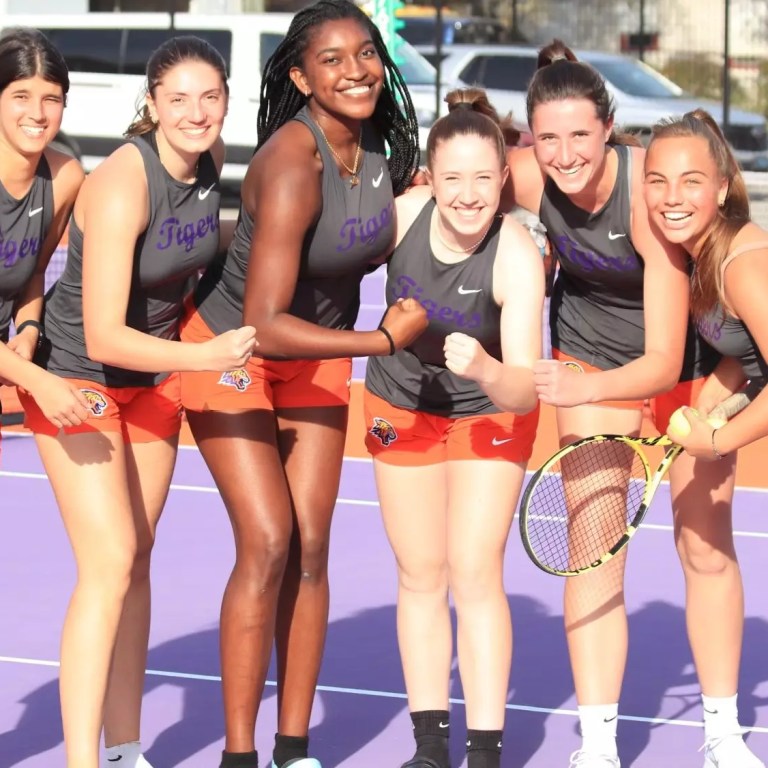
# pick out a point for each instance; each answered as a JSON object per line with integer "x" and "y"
{"x": 413, "y": 438}
{"x": 662, "y": 406}
{"x": 140, "y": 414}
{"x": 262, "y": 384}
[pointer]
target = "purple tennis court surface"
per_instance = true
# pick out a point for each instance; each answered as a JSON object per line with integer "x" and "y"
{"x": 360, "y": 718}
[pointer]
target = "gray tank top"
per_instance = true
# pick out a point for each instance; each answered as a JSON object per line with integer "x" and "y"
{"x": 596, "y": 312}
{"x": 457, "y": 297}
{"x": 730, "y": 337}
{"x": 24, "y": 225}
{"x": 181, "y": 238}
{"x": 355, "y": 226}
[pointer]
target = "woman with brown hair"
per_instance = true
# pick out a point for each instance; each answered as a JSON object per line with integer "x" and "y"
{"x": 451, "y": 423}
{"x": 697, "y": 197}
{"x": 38, "y": 186}
{"x": 145, "y": 222}
{"x": 619, "y": 320}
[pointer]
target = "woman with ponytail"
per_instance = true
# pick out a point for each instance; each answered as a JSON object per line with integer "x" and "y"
{"x": 451, "y": 422}
{"x": 317, "y": 212}
{"x": 619, "y": 322}
{"x": 145, "y": 222}
{"x": 696, "y": 195}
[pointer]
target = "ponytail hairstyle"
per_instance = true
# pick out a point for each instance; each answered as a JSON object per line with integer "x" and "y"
{"x": 27, "y": 52}
{"x": 393, "y": 117}
{"x": 560, "y": 75}
{"x": 170, "y": 54}
{"x": 471, "y": 114}
{"x": 732, "y": 215}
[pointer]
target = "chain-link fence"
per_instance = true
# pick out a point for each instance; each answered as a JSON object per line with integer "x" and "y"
{"x": 684, "y": 39}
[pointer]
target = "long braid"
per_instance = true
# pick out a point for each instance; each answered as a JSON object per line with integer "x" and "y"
{"x": 281, "y": 101}
{"x": 397, "y": 124}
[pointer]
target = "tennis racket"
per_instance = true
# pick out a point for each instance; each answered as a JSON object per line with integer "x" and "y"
{"x": 585, "y": 503}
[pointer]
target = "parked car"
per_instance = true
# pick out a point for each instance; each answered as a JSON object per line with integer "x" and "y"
{"x": 420, "y": 30}
{"x": 643, "y": 96}
{"x": 107, "y": 56}
{"x": 420, "y": 77}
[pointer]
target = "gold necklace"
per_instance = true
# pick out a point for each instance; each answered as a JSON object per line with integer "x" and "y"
{"x": 355, "y": 179}
{"x": 462, "y": 250}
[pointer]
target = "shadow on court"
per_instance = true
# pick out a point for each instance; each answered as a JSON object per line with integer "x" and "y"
{"x": 362, "y": 654}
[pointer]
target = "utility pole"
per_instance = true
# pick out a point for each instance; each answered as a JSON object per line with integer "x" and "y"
{"x": 727, "y": 68}
{"x": 438, "y": 56}
{"x": 514, "y": 20}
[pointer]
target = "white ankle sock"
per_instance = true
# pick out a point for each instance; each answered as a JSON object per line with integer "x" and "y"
{"x": 598, "y": 728}
{"x": 128, "y": 755}
{"x": 721, "y": 716}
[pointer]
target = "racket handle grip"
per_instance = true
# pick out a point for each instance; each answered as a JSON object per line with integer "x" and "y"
{"x": 735, "y": 403}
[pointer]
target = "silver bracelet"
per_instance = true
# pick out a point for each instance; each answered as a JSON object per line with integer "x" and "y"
{"x": 714, "y": 447}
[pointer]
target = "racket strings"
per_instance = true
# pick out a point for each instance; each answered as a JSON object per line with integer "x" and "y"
{"x": 583, "y": 505}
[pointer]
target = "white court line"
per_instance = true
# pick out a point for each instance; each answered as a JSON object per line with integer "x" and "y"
{"x": 179, "y": 487}
{"x": 359, "y": 502}
{"x": 388, "y": 695}
{"x": 363, "y": 459}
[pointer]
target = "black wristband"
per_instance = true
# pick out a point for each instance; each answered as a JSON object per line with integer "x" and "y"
{"x": 391, "y": 341}
{"x": 32, "y": 324}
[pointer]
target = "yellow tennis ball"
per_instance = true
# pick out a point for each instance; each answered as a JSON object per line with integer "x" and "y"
{"x": 678, "y": 424}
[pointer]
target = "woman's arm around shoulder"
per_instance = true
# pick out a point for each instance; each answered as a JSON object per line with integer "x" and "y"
{"x": 746, "y": 287}
{"x": 283, "y": 192}
{"x": 518, "y": 288}
{"x": 117, "y": 192}
{"x": 218, "y": 153}
{"x": 408, "y": 206}
{"x": 67, "y": 177}
{"x": 226, "y": 225}
{"x": 525, "y": 182}
{"x": 665, "y": 314}
{"x": 666, "y": 293}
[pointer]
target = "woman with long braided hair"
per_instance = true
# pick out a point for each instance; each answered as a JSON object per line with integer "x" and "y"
{"x": 317, "y": 211}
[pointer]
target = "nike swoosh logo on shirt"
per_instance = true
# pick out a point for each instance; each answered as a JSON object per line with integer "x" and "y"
{"x": 378, "y": 179}
{"x": 464, "y": 291}
{"x": 611, "y": 236}
{"x": 203, "y": 193}
{"x": 496, "y": 441}
{"x": 34, "y": 211}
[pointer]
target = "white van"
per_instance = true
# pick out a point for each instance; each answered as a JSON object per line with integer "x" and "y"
{"x": 107, "y": 55}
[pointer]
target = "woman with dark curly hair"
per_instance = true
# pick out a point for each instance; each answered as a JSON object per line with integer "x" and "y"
{"x": 317, "y": 211}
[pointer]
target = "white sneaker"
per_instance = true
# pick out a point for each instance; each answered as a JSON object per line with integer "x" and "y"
{"x": 730, "y": 752}
{"x": 301, "y": 762}
{"x": 583, "y": 759}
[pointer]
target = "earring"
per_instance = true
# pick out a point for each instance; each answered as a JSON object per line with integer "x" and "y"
{"x": 721, "y": 203}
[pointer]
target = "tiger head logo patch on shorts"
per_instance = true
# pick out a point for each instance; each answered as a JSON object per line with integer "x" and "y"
{"x": 97, "y": 403}
{"x": 383, "y": 430}
{"x": 239, "y": 379}
{"x": 573, "y": 366}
